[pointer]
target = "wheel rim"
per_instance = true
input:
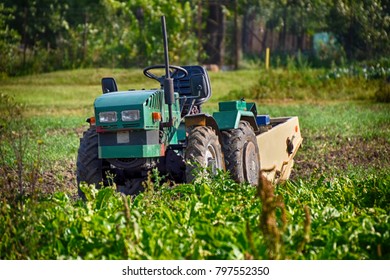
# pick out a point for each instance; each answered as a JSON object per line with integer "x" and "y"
{"x": 211, "y": 159}
{"x": 251, "y": 166}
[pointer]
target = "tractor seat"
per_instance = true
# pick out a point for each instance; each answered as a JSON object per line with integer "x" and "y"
{"x": 194, "y": 89}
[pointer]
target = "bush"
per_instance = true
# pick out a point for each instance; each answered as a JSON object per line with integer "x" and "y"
{"x": 383, "y": 93}
{"x": 20, "y": 159}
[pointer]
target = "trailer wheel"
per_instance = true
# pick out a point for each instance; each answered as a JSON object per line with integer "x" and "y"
{"x": 203, "y": 151}
{"x": 89, "y": 166}
{"x": 242, "y": 153}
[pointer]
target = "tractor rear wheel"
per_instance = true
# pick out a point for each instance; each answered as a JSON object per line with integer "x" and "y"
{"x": 89, "y": 166}
{"x": 203, "y": 151}
{"x": 242, "y": 153}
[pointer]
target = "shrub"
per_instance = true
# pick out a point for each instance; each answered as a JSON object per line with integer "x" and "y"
{"x": 383, "y": 93}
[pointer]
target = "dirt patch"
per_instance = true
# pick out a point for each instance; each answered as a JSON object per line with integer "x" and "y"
{"x": 66, "y": 131}
{"x": 327, "y": 154}
{"x": 27, "y": 181}
{"x": 61, "y": 176}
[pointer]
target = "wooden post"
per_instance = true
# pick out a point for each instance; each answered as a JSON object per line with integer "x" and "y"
{"x": 267, "y": 59}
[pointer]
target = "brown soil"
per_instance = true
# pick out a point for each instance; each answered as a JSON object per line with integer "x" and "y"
{"x": 321, "y": 157}
{"x": 328, "y": 155}
{"x": 60, "y": 177}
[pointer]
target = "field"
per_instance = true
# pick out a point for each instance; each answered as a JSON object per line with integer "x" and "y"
{"x": 336, "y": 205}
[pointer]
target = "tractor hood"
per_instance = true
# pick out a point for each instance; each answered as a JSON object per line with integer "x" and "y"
{"x": 128, "y": 110}
{"x": 121, "y": 98}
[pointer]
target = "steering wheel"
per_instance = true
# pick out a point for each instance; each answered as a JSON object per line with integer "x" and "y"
{"x": 180, "y": 71}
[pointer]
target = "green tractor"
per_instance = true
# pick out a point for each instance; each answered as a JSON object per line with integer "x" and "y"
{"x": 135, "y": 131}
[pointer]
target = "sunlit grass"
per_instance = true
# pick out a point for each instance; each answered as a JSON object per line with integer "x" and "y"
{"x": 70, "y": 92}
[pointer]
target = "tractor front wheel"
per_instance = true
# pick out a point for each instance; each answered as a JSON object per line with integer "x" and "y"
{"x": 89, "y": 166}
{"x": 242, "y": 153}
{"x": 203, "y": 151}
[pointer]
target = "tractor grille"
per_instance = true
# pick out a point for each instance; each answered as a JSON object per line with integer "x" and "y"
{"x": 154, "y": 101}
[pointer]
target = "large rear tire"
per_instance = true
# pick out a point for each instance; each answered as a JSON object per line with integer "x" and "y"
{"x": 89, "y": 166}
{"x": 242, "y": 153}
{"x": 203, "y": 151}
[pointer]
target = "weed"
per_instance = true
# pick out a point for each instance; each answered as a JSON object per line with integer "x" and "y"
{"x": 268, "y": 223}
{"x": 18, "y": 177}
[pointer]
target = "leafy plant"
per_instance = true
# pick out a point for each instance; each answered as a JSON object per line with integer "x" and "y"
{"x": 210, "y": 219}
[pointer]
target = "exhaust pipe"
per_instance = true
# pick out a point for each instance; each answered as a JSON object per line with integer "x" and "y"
{"x": 168, "y": 81}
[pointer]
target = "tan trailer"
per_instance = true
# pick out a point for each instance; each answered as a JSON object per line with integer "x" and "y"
{"x": 278, "y": 146}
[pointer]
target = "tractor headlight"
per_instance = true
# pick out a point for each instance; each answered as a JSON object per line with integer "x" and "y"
{"x": 108, "y": 117}
{"x": 130, "y": 115}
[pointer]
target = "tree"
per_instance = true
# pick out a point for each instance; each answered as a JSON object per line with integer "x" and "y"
{"x": 38, "y": 22}
{"x": 214, "y": 40}
{"x": 9, "y": 39}
{"x": 362, "y": 27}
{"x": 143, "y": 31}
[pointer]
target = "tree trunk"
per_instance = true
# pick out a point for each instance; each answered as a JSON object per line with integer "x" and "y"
{"x": 25, "y": 20}
{"x": 199, "y": 29}
{"x": 85, "y": 37}
{"x": 237, "y": 39}
{"x": 215, "y": 33}
{"x": 283, "y": 34}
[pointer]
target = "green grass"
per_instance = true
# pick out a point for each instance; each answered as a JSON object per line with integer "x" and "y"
{"x": 348, "y": 119}
{"x": 308, "y": 84}
{"x": 341, "y": 175}
{"x": 73, "y": 92}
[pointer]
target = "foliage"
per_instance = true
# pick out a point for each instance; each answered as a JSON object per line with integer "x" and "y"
{"x": 17, "y": 176}
{"x": 68, "y": 34}
{"x": 383, "y": 93}
{"x": 349, "y": 217}
{"x": 361, "y": 26}
{"x": 312, "y": 84}
{"x": 368, "y": 73}
{"x": 47, "y": 35}
{"x": 8, "y": 41}
{"x": 297, "y": 17}
{"x": 211, "y": 219}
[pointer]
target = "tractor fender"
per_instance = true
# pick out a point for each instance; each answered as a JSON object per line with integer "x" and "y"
{"x": 230, "y": 119}
{"x": 203, "y": 120}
